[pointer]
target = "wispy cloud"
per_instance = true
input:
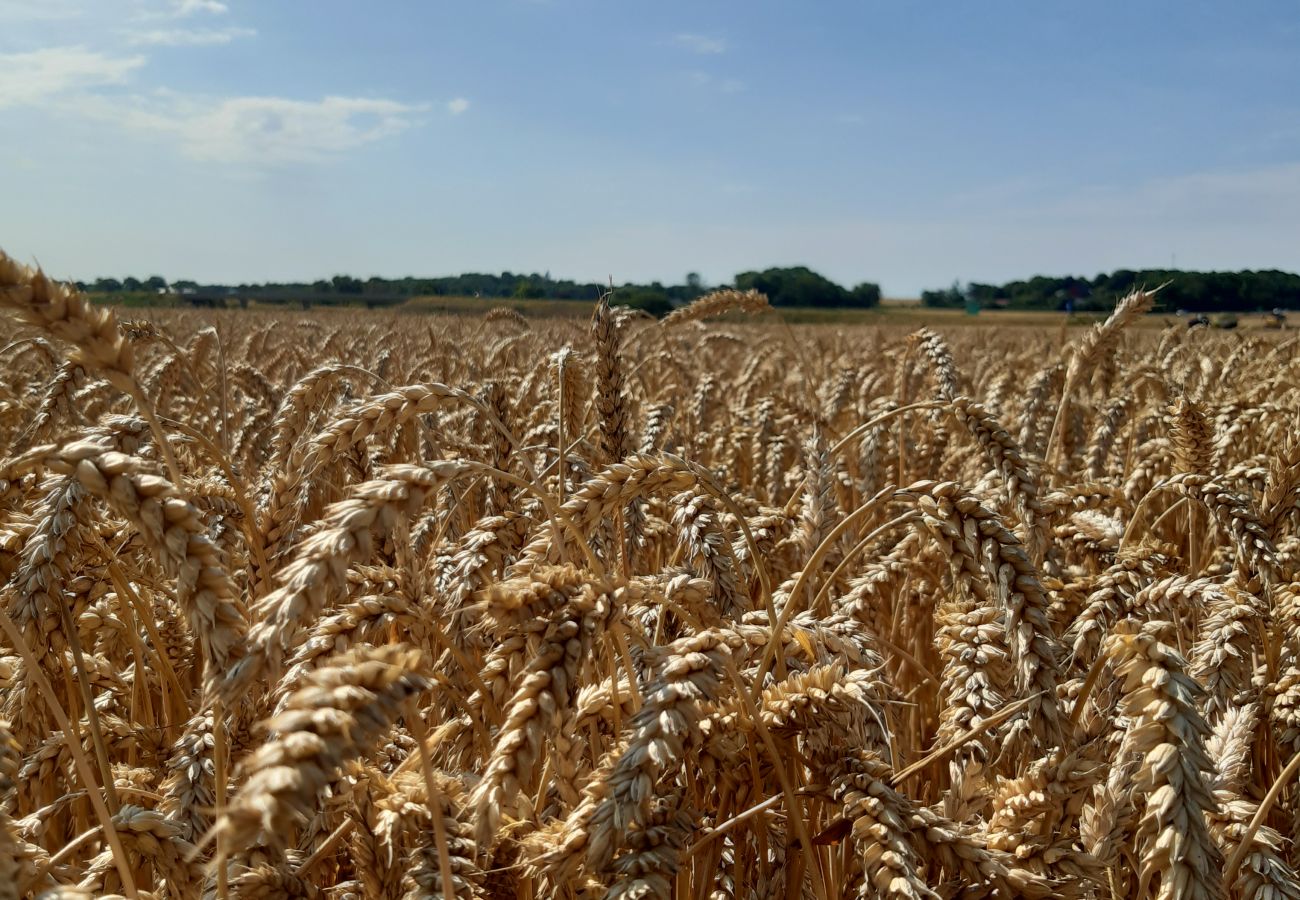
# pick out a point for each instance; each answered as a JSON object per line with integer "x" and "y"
{"x": 182, "y": 8}
{"x": 154, "y": 10}
{"x": 260, "y": 131}
{"x": 27, "y": 78}
{"x": 458, "y": 106}
{"x": 700, "y": 43}
{"x": 107, "y": 88}
{"x": 188, "y": 37}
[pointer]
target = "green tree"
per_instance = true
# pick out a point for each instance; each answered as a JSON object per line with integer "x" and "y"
{"x": 694, "y": 286}
{"x": 346, "y": 284}
{"x": 948, "y": 298}
{"x": 1193, "y": 291}
{"x": 866, "y": 295}
{"x": 794, "y": 286}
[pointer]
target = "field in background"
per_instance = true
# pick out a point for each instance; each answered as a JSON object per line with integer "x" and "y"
{"x": 892, "y": 318}
{"x": 903, "y": 313}
{"x": 349, "y": 603}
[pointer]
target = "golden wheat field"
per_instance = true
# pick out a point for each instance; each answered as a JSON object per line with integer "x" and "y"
{"x": 369, "y": 606}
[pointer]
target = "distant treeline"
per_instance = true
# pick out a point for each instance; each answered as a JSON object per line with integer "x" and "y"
{"x": 794, "y": 286}
{"x": 1193, "y": 291}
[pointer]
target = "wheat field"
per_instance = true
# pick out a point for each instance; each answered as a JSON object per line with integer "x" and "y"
{"x": 367, "y": 606}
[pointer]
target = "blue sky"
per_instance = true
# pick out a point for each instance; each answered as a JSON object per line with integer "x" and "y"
{"x": 905, "y": 143}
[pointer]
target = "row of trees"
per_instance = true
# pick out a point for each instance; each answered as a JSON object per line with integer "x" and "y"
{"x": 800, "y": 286}
{"x": 1245, "y": 291}
{"x": 112, "y": 285}
{"x": 795, "y": 286}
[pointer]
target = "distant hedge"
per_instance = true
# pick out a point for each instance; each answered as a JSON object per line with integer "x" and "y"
{"x": 1245, "y": 291}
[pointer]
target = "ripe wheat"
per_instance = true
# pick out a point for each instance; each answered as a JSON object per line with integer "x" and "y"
{"x": 313, "y": 605}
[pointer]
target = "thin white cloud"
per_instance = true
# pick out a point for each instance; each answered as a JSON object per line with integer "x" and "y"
{"x": 458, "y": 106}
{"x": 700, "y": 43}
{"x": 252, "y": 132}
{"x": 172, "y": 10}
{"x": 182, "y": 8}
{"x": 189, "y": 37}
{"x": 258, "y": 131}
{"x": 28, "y": 78}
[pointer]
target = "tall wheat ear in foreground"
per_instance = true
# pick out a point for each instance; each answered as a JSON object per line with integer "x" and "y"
{"x": 368, "y": 606}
